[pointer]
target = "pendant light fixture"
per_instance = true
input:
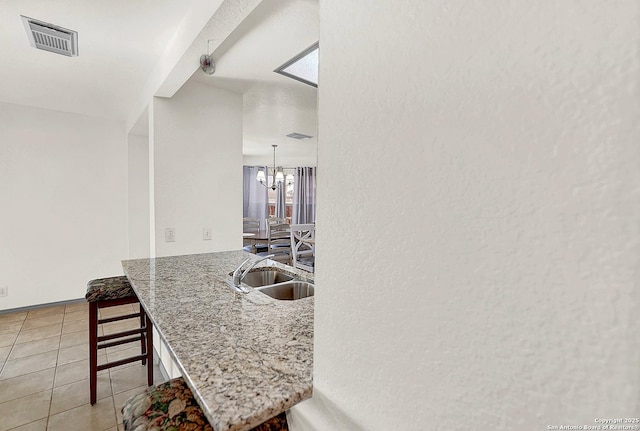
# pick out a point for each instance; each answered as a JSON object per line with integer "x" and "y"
{"x": 278, "y": 178}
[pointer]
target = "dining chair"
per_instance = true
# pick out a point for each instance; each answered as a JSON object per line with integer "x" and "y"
{"x": 302, "y": 237}
{"x": 276, "y": 220}
{"x": 278, "y": 242}
{"x": 251, "y": 225}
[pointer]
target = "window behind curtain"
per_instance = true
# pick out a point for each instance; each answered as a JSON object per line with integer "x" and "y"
{"x": 254, "y": 195}
{"x": 304, "y": 195}
{"x": 288, "y": 195}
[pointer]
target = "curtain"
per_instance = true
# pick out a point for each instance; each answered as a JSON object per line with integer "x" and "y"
{"x": 304, "y": 195}
{"x": 281, "y": 201}
{"x": 255, "y": 200}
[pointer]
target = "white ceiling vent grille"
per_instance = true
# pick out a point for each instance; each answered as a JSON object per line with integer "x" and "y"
{"x": 296, "y": 135}
{"x": 51, "y": 37}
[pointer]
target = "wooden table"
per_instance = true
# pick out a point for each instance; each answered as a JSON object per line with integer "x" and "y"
{"x": 255, "y": 237}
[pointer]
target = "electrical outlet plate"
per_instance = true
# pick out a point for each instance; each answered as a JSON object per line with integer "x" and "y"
{"x": 169, "y": 234}
{"x": 4, "y": 291}
{"x": 206, "y": 234}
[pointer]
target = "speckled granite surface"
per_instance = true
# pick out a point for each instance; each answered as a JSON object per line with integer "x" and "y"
{"x": 246, "y": 357}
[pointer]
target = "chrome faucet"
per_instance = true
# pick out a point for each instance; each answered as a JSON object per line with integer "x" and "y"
{"x": 239, "y": 275}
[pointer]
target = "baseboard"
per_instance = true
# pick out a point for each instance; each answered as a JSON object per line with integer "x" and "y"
{"x": 320, "y": 413}
{"x": 35, "y": 307}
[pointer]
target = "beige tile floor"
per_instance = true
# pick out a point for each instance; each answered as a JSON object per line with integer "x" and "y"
{"x": 44, "y": 371}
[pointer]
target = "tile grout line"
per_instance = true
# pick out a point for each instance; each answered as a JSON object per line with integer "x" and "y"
{"x": 55, "y": 375}
{"x": 113, "y": 397}
{"x": 13, "y": 345}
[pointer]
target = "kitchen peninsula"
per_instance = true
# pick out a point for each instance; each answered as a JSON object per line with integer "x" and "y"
{"x": 246, "y": 357}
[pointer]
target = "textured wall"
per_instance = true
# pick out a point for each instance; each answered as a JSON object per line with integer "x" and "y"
{"x": 138, "y": 198}
{"x": 197, "y": 154}
{"x": 478, "y": 215}
{"x": 63, "y": 210}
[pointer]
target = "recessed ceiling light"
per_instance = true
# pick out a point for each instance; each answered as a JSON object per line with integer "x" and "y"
{"x": 303, "y": 67}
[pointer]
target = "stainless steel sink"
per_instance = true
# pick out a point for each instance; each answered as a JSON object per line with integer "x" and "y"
{"x": 265, "y": 278}
{"x": 289, "y": 290}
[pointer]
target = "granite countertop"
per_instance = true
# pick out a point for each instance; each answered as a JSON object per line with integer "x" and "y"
{"x": 246, "y": 357}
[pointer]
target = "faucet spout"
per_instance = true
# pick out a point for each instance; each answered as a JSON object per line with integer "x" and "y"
{"x": 239, "y": 275}
{"x": 246, "y": 271}
{"x": 236, "y": 275}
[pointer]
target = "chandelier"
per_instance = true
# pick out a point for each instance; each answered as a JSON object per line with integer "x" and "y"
{"x": 278, "y": 178}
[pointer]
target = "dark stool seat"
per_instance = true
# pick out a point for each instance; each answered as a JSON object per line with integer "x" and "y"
{"x": 170, "y": 406}
{"x": 103, "y": 289}
{"x": 111, "y": 292}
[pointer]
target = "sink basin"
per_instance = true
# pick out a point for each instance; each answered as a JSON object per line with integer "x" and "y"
{"x": 265, "y": 278}
{"x": 288, "y": 291}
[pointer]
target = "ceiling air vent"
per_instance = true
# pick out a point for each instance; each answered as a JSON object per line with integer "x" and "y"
{"x": 296, "y": 135}
{"x": 51, "y": 37}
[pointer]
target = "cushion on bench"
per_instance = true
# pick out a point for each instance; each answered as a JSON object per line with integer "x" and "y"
{"x": 170, "y": 406}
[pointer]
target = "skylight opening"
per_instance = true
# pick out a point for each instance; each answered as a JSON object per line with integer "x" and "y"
{"x": 303, "y": 67}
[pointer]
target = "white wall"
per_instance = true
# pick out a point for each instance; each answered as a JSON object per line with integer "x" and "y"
{"x": 487, "y": 277}
{"x": 63, "y": 217}
{"x": 138, "y": 163}
{"x": 198, "y": 169}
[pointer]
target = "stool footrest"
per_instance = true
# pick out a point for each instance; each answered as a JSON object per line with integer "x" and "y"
{"x": 121, "y": 334}
{"x": 122, "y": 362}
{"x": 119, "y": 342}
{"x": 116, "y": 318}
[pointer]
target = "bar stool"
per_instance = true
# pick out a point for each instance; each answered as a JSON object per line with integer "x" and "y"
{"x": 170, "y": 406}
{"x": 110, "y": 292}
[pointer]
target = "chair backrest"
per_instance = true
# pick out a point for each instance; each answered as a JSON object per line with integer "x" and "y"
{"x": 303, "y": 252}
{"x": 250, "y": 224}
{"x": 275, "y": 220}
{"x": 279, "y": 242}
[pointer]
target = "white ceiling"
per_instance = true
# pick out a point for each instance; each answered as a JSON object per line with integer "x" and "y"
{"x": 119, "y": 42}
{"x": 274, "y": 105}
{"x": 273, "y": 33}
{"x": 123, "y": 42}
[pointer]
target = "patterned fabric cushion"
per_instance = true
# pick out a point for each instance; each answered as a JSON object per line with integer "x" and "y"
{"x": 108, "y": 288}
{"x": 170, "y": 406}
{"x": 278, "y": 423}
